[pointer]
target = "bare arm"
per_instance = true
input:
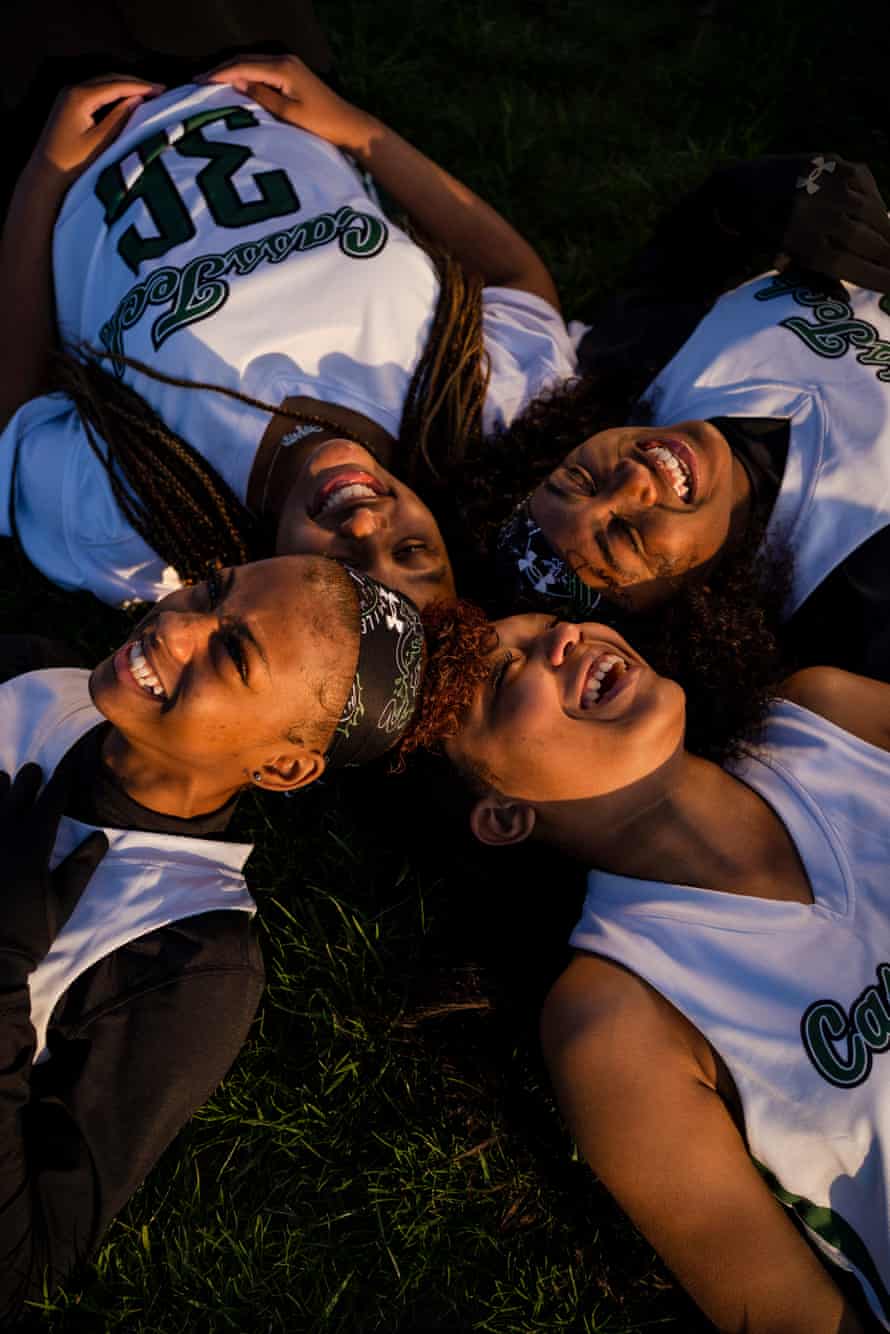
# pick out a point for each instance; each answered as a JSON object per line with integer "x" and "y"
{"x": 858, "y": 704}
{"x": 646, "y": 1114}
{"x": 68, "y": 144}
{"x": 446, "y": 210}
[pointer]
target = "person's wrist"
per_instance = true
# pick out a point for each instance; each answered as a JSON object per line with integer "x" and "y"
{"x": 359, "y": 135}
{"x": 45, "y": 181}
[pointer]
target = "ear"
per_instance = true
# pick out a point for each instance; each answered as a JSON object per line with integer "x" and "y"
{"x": 296, "y": 768}
{"x": 497, "y": 821}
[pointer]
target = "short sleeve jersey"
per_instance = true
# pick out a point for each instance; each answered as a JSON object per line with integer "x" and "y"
{"x": 778, "y": 347}
{"x": 219, "y": 244}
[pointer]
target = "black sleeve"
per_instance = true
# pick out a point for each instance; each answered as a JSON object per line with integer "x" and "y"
{"x": 137, "y": 1045}
{"x": 31, "y": 653}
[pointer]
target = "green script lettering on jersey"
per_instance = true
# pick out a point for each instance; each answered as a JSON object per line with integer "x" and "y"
{"x": 201, "y": 287}
{"x": 840, "y": 1044}
{"x": 834, "y": 329}
{"x": 151, "y": 182}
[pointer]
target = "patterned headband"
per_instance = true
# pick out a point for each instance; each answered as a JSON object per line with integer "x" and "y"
{"x": 534, "y": 571}
{"x": 388, "y": 675}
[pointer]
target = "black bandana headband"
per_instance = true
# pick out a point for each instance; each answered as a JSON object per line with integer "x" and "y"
{"x": 533, "y": 569}
{"x": 388, "y": 675}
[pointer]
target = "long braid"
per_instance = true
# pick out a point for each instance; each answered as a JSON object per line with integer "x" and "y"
{"x": 170, "y": 495}
{"x": 185, "y": 510}
{"x": 442, "y": 413}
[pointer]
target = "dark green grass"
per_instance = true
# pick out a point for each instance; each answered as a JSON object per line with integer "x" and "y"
{"x": 385, "y": 1156}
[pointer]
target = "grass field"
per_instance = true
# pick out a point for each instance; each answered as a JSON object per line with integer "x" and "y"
{"x": 385, "y": 1155}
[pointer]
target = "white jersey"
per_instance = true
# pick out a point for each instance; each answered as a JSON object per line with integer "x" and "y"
{"x": 220, "y": 245}
{"x": 777, "y": 348}
{"x": 144, "y": 881}
{"x": 795, "y": 998}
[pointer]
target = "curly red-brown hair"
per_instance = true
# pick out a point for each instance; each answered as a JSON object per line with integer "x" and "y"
{"x": 459, "y": 637}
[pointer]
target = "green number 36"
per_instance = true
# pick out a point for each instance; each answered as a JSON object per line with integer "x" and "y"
{"x": 155, "y": 187}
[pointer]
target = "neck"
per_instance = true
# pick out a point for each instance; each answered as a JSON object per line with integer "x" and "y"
{"x": 147, "y": 779}
{"x": 672, "y": 826}
{"x": 275, "y": 467}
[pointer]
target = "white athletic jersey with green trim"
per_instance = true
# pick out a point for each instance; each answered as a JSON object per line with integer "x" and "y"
{"x": 795, "y": 998}
{"x": 777, "y": 347}
{"x": 219, "y": 244}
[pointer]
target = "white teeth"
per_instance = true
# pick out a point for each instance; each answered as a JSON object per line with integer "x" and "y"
{"x": 674, "y": 469}
{"x": 605, "y": 665}
{"x": 142, "y": 673}
{"x": 344, "y": 494}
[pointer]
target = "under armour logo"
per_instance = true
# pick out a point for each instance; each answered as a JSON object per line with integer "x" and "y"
{"x": 393, "y": 620}
{"x": 808, "y": 183}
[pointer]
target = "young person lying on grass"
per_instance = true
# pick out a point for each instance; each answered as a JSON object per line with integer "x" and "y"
{"x": 773, "y": 420}
{"x": 219, "y": 239}
{"x": 716, "y": 1043}
{"x": 118, "y": 1026}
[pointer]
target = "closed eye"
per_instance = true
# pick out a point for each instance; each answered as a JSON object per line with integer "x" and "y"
{"x": 499, "y": 671}
{"x": 630, "y": 534}
{"x": 231, "y": 635}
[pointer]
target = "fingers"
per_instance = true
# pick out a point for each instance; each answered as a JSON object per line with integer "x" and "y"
{"x": 274, "y": 102}
{"x": 83, "y": 102}
{"x": 244, "y": 69}
{"x": 110, "y": 126}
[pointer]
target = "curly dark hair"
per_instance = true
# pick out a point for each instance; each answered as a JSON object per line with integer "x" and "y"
{"x": 459, "y": 636}
{"x": 499, "y": 471}
{"x": 718, "y": 639}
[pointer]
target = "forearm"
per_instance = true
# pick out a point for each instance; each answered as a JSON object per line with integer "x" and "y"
{"x": 26, "y": 287}
{"x": 449, "y": 212}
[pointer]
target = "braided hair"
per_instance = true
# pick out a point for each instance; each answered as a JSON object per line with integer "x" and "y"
{"x": 180, "y": 504}
{"x": 171, "y": 496}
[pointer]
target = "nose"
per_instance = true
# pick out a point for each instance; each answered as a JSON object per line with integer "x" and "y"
{"x": 560, "y": 641}
{"x": 182, "y": 632}
{"x": 632, "y": 482}
{"x": 362, "y": 523}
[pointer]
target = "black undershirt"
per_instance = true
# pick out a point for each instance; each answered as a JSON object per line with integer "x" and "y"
{"x": 96, "y": 797}
{"x": 845, "y": 622}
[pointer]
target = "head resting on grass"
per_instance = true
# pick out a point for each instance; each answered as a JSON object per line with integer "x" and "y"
{"x": 263, "y": 674}
{"x": 538, "y": 714}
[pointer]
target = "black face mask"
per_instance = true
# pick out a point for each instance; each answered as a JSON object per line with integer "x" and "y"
{"x": 534, "y": 572}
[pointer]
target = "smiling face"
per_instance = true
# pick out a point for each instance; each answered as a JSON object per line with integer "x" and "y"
{"x": 567, "y": 712}
{"x": 634, "y": 509}
{"x": 245, "y": 674}
{"x": 344, "y": 504}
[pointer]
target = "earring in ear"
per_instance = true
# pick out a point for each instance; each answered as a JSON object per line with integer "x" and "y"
{"x": 257, "y": 776}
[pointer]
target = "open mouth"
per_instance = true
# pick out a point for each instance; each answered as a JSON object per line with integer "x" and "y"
{"x": 351, "y": 487}
{"x": 603, "y": 676}
{"x": 675, "y": 462}
{"x": 142, "y": 673}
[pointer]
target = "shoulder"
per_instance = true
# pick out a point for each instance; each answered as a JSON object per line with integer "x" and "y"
{"x": 816, "y": 688}
{"x": 598, "y": 1011}
{"x": 857, "y": 704}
